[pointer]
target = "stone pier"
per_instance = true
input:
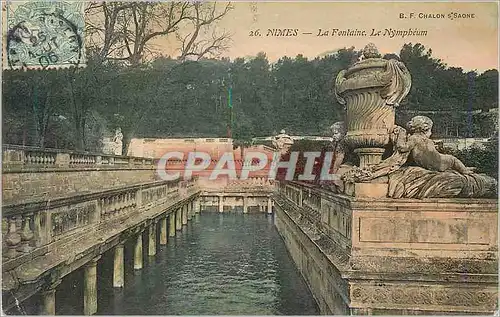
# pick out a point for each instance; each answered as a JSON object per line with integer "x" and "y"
{"x": 90, "y": 288}
{"x": 245, "y": 204}
{"x": 118, "y": 267}
{"x": 163, "y": 231}
{"x": 49, "y": 299}
{"x": 185, "y": 215}
{"x": 178, "y": 219}
{"x": 171, "y": 225}
{"x": 152, "y": 239}
{"x": 190, "y": 210}
{"x": 196, "y": 206}
{"x": 138, "y": 252}
{"x": 221, "y": 204}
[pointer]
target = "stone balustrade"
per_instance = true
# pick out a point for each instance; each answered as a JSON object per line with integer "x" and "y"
{"x": 16, "y": 158}
{"x": 251, "y": 182}
{"x": 63, "y": 209}
{"x": 32, "y": 229}
{"x": 33, "y": 174}
{"x": 391, "y": 256}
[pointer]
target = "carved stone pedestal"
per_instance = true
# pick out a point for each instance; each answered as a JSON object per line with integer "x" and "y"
{"x": 367, "y": 190}
{"x": 369, "y": 156}
{"x": 393, "y": 256}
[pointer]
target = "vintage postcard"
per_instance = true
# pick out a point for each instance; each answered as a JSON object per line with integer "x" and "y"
{"x": 249, "y": 158}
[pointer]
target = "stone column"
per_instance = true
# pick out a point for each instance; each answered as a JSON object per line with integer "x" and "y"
{"x": 171, "y": 226}
{"x": 184, "y": 215}
{"x": 49, "y": 299}
{"x": 190, "y": 210}
{"x": 152, "y": 239}
{"x": 163, "y": 231}
{"x": 245, "y": 205}
{"x": 221, "y": 205}
{"x": 138, "y": 252}
{"x": 196, "y": 206}
{"x": 90, "y": 288}
{"x": 269, "y": 206}
{"x": 178, "y": 219}
{"x": 118, "y": 268}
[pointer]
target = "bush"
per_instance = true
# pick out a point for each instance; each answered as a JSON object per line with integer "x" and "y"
{"x": 484, "y": 159}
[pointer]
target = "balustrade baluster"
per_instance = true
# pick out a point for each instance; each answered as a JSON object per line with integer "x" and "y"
{"x": 111, "y": 206}
{"x": 12, "y": 238}
{"x": 122, "y": 202}
{"x": 26, "y": 235}
{"x": 105, "y": 208}
{"x": 129, "y": 202}
{"x": 118, "y": 203}
{"x": 109, "y": 210}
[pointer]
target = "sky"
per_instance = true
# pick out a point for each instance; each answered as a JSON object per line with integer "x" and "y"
{"x": 470, "y": 43}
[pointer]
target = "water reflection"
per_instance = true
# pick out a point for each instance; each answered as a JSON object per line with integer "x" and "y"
{"x": 231, "y": 264}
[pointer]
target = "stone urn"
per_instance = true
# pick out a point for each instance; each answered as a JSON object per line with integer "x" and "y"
{"x": 370, "y": 90}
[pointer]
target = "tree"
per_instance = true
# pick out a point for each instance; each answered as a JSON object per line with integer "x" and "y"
{"x": 86, "y": 87}
{"x": 31, "y": 96}
{"x": 130, "y": 29}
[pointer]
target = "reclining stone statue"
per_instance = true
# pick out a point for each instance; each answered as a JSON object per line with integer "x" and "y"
{"x": 417, "y": 170}
{"x": 422, "y": 148}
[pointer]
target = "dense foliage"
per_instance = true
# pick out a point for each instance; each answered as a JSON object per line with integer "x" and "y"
{"x": 484, "y": 159}
{"x": 168, "y": 98}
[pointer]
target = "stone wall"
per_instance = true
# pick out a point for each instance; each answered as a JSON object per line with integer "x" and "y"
{"x": 33, "y": 174}
{"x": 328, "y": 287}
{"x": 46, "y": 240}
{"x": 388, "y": 256}
{"x": 33, "y": 186}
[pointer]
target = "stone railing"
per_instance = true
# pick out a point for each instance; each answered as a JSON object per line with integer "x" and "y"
{"x": 33, "y": 229}
{"x": 425, "y": 256}
{"x": 249, "y": 183}
{"x": 17, "y": 158}
{"x": 236, "y": 185}
{"x": 327, "y": 213}
{"x": 427, "y": 224}
{"x": 33, "y": 174}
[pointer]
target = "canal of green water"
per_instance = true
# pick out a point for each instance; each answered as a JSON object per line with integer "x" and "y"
{"x": 229, "y": 264}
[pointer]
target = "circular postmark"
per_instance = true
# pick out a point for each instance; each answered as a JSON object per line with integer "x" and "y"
{"x": 45, "y": 35}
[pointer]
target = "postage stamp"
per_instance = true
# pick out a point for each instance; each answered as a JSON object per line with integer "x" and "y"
{"x": 44, "y": 35}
